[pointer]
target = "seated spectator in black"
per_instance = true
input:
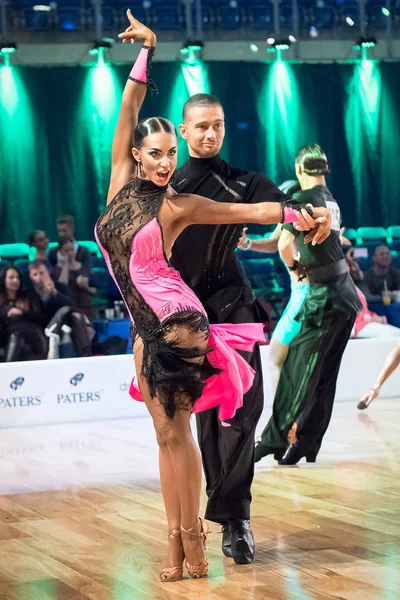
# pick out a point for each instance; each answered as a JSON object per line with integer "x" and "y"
{"x": 21, "y": 332}
{"x": 381, "y": 277}
{"x": 39, "y": 240}
{"x": 54, "y": 301}
{"x": 71, "y": 272}
{"x": 355, "y": 269}
{"x": 66, "y": 229}
{"x": 47, "y": 296}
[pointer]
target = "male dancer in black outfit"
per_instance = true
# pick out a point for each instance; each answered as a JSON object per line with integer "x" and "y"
{"x": 306, "y": 390}
{"x": 204, "y": 255}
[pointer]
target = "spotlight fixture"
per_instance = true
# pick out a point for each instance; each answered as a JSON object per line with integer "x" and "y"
{"x": 42, "y": 8}
{"x": 313, "y": 32}
{"x": 254, "y": 47}
{"x": 385, "y": 11}
{"x": 365, "y": 43}
{"x": 6, "y": 49}
{"x": 278, "y": 45}
{"x": 349, "y": 21}
{"x": 191, "y": 51}
{"x": 292, "y": 39}
{"x": 99, "y": 49}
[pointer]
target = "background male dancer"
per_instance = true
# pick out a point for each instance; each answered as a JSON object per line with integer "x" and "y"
{"x": 204, "y": 255}
{"x": 307, "y": 385}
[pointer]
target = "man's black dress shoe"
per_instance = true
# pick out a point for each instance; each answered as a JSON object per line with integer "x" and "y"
{"x": 294, "y": 453}
{"x": 226, "y": 540}
{"x": 242, "y": 541}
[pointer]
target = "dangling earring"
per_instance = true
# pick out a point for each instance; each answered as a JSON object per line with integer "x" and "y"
{"x": 140, "y": 172}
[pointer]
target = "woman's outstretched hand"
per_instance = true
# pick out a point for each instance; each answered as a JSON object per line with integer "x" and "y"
{"x": 137, "y": 31}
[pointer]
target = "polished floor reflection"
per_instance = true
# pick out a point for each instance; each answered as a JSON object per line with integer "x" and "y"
{"x": 81, "y": 516}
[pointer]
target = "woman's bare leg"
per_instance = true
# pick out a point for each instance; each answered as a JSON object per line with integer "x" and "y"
{"x": 180, "y": 471}
{"x": 277, "y": 356}
{"x": 167, "y": 474}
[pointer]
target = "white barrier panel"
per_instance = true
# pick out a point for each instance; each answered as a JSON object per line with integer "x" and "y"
{"x": 85, "y": 389}
{"x": 59, "y": 391}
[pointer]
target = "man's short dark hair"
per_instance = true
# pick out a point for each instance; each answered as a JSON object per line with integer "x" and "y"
{"x": 32, "y": 236}
{"x": 37, "y": 263}
{"x": 200, "y": 100}
{"x": 66, "y": 220}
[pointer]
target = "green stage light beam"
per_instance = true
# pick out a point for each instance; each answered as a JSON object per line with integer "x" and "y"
{"x": 19, "y": 168}
{"x": 362, "y": 125}
{"x": 285, "y": 123}
{"x": 98, "y": 117}
{"x": 196, "y": 78}
{"x": 190, "y": 79}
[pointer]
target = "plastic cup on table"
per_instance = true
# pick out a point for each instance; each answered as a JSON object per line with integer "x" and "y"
{"x": 386, "y": 299}
{"x": 109, "y": 312}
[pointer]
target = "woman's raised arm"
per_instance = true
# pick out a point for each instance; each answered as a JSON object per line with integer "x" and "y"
{"x": 122, "y": 162}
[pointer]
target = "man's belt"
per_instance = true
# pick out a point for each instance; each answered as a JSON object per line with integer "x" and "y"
{"x": 323, "y": 274}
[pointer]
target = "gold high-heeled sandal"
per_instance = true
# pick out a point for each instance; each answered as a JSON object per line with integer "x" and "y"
{"x": 172, "y": 573}
{"x": 198, "y": 571}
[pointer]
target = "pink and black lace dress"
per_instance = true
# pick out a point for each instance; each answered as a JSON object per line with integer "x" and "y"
{"x": 131, "y": 239}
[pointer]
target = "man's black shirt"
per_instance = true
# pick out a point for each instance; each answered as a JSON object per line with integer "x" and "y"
{"x": 205, "y": 254}
{"x": 330, "y": 251}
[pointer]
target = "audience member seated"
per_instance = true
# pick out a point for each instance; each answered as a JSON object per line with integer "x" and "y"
{"x": 21, "y": 332}
{"x": 39, "y": 240}
{"x": 355, "y": 269}
{"x": 71, "y": 272}
{"x": 55, "y": 303}
{"x": 66, "y": 229}
{"x": 370, "y": 325}
{"x": 381, "y": 277}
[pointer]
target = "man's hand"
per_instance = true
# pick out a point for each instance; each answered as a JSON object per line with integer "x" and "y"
{"x": 244, "y": 240}
{"x": 82, "y": 282}
{"x": 318, "y": 226}
{"x": 62, "y": 261}
{"x": 14, "y": 312}
{"x": 323, "y": 229}
{"x": 379, "y": 319}
{"x": 49, "y": 286}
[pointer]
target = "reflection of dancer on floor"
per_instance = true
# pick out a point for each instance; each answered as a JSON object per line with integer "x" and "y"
{"x": 391, "y": 363}
{"x": 183, "y": 364}
{"x": 307, "y": 385}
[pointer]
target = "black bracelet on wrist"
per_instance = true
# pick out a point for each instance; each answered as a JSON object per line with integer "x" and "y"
{"x": 294, "y": 266}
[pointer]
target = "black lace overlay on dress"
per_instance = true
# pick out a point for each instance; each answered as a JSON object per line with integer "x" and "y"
{"x": 174, "y": 374}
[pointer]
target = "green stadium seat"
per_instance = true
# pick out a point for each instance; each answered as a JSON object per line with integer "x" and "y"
{"x": 14, "y": 251}
{"x": 92, "y": 247}
{"x": 372, "y": 235}
{"x": 394, "y": 234}
{"x": 351, "y": 235}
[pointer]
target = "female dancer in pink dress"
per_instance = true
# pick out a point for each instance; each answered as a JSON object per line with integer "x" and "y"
{"x": 183, "y": 365}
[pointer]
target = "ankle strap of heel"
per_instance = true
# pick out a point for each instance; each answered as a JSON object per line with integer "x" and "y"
{"x": 204, "y": 529}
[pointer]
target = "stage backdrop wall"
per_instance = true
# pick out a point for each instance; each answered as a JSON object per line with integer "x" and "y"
{"x": 56, "y": 127}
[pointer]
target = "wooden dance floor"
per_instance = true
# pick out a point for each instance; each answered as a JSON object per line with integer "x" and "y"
{"x": 81, "y": 517}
